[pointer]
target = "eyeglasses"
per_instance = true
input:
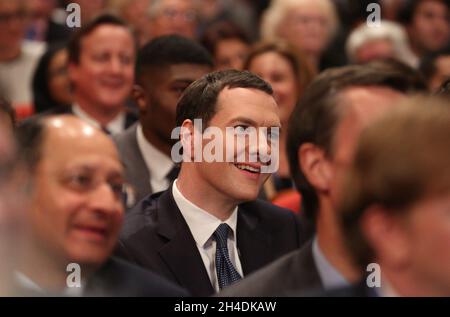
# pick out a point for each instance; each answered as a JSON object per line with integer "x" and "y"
{"x": 85, "y": 182}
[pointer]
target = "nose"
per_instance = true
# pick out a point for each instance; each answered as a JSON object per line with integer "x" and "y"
{"x": 264, "y": 146}
{"x": 115, "y": 65}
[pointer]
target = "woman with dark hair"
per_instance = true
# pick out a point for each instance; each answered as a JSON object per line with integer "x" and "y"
{"x": 51, "y": 86}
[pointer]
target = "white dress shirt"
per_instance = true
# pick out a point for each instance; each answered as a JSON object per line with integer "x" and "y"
{"x": 202, "y": 225}
{"x": 158, "y": 163}
{"x": 115, "y": 126}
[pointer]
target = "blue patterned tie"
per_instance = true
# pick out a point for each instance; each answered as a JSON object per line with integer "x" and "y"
{"x": 226, "y": 273}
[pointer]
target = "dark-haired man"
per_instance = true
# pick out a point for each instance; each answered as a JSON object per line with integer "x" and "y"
{"x": 207, "y": 230}
{"x": 324, "y": 128}
{"x": 101, "y": 70}
{"x": 165, "y": 67}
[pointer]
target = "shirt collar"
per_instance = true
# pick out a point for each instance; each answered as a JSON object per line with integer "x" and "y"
{"x": 331, "y": 278}
{"x": 158, "y": 163}
{"x": 115, "y": 126}
{"x": 201, "y": 223}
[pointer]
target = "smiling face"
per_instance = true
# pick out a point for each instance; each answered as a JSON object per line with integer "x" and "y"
{"x": 104, "y": 74}
{"x": 240, "y": 108}
{"x": 76, "y": 209}
{"x": 278, "y": 72}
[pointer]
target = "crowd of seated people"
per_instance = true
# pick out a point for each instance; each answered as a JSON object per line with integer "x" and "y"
{"x": 171, "y": 148}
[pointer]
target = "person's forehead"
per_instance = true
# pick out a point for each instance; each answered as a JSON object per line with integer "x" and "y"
{"x": 107, "y": 34}
{"x": 66, "y": 146}
{"x": 177, "y": 4}
{"x": 248, "y": 102}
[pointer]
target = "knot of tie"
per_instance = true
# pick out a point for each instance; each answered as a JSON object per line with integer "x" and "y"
{"x": 226, "y": 272}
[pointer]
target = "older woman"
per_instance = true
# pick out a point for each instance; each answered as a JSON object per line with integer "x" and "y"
{"x": 307, "y": 24}
{"x": 288, "y": 72}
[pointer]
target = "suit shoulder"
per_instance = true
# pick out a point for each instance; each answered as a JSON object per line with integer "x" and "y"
{"x": 288, "y": 274}
{"x": 272, "y": 280}
{"x": 131, "y": 280}
{"x": 266, "y": 208}
{"x": 143, "y": 215}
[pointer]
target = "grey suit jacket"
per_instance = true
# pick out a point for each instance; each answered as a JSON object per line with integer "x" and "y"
{"x": 293, "y": 274}
{"x": 136, "y": 171}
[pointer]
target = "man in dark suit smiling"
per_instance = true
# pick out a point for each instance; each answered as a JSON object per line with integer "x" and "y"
{"x": 207, "y": 231}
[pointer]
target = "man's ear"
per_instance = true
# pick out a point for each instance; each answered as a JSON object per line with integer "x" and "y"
{"x": 138, "y": 94}
{"x": 387, "y": 234}
{"x": 187, "y": 134}
{"x": 315, "y": 166}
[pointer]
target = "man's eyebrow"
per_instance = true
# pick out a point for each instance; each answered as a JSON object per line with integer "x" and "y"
{"x": 251, "y": 122}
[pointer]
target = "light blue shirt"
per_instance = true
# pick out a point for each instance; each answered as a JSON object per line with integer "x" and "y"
{"x": 331, "y": 278}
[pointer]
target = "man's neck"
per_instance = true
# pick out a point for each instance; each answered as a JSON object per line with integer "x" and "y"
{"x": 45, "y": 271}
{"x": 103, "y": 115}
{"x": 203, "y": 195}
{"x": 331, "y": 243}
{"x": 159, "y": 143}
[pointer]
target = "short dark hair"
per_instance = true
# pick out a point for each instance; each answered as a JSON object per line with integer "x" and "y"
{"x": 200, "y": 98}
{"x": 396, "y": 166}
{"x": 74, "y": 45}
{"x": 428, "y": 63}
{"x": 30, "y": 138}
{"x": 316, "y": 116}
{"x": 7, "y": 109}
{"x": 409, "y": 8}
{"x": 169, "y": 50}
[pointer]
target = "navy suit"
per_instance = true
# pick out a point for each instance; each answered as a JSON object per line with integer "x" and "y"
{"x": 156, "y": 236}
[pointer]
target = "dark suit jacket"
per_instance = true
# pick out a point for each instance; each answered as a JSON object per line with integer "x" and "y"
{"x": 293, "y": 274}
{"x": 136, "y": 171}
{"x": 156, "y": 236}
{"x": 120, "y": 278}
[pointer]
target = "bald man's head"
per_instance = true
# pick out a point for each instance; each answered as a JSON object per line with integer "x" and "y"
{"x": 77, "y": 209}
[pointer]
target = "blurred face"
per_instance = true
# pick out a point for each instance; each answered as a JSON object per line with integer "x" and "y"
{"x": 105, "y": 73}
{"x": 230, "y": 54}
{"x": 175, "y": 17}
{"x": 278, "y": 72}
{"x": 162, "y": 92}
{"x": 77, "y": 209}
{"x": 90, "y": 8}
{"x": 442, "y": 72}
{"x": 365, "y": 104}
{"x": 430, "y": 27}
{"x": 240, "y": 108}
{"x": 13, "y": 199}
{"x": 373, "y": 50}
{"x": 306, "y": 27}
{"x": 12, "y": 23}
{"x": 426, "y": 233}
{"x": 58, "y": 82}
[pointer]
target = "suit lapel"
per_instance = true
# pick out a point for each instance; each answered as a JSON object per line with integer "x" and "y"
{"x": 253, "y": 243}
{"x": 180, "y": 253}
{"x": 136, "y": 169}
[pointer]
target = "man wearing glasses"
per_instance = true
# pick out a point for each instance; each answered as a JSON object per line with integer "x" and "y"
{"x": 75, "y": 214}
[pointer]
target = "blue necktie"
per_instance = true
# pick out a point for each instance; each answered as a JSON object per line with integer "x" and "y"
{"x": 226, "y": 273}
